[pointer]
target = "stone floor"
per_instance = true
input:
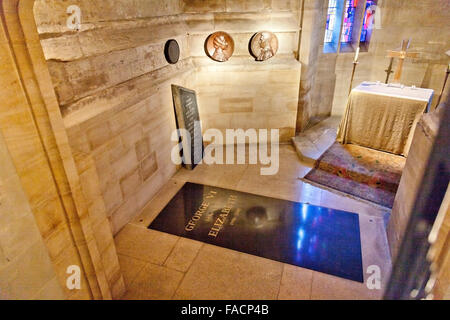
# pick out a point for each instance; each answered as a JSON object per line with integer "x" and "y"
{"x": 162, "y": 266}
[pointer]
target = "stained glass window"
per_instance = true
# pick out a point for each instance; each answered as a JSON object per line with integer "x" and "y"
{"x": 343, "y": 16}
{"x": 331, "y": 20}
{"x": 349, "y": 18}
{"x": 368, "y": 19}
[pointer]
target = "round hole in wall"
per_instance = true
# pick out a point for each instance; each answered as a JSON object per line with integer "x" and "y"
{"x": 172, "y": 51}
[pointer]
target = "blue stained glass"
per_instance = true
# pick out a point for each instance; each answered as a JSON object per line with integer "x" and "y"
{"x": 368, "y": 19}
{"x": 348, "y": 21}
{"x": 331, "y": 20}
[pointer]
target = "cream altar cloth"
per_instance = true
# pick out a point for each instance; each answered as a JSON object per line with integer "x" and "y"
{"x": 383, "y": 117}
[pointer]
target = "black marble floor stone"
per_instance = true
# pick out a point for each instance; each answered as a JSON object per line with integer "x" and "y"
{"x": 312, "y": 237}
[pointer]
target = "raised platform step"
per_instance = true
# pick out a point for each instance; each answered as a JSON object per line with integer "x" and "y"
{"x": 312, "y": 143}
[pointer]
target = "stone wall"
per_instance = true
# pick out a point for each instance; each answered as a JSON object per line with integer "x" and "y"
{"x": 113, "y": 89}
{"x": 113, "y": 85}
{"x": 26, "y": 271}
{"x": 411, "y": 183}
{"x": 313, "y": 104}
{"x": 243, "y": 93}
{"x": 409, "y": 187}
{"x": 439, "y": 253}
{"x": 44, "y": 179}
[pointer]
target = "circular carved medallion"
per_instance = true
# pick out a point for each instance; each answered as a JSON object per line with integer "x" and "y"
{"x": 219, "y": 46}
{"x": 264, "y": 45}
{"x": 172, "y": 51}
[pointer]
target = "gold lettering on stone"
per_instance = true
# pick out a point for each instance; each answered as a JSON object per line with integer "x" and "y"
{"x": 199, "y": 213}
{"x": 220, "y": 221}
{"x": 211, "y": 195}
{"x": 236, "y": 215}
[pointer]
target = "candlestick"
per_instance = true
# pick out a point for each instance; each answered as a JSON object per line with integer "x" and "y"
{"x": 443, "y": 87}
{"x": 355, "y": 63}
{"x": 357, "y": 54}
{"x": 389, "y": 71}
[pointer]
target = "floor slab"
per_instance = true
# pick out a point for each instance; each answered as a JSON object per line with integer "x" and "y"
{"x": 296, "y": 283}
{"x": 147, "y": 245}
{"x": 183, "y": 254}
{"x": 219, "y": 273}
{"x": 130, "y": 268}
{"x": 211, "y": 272}
{"x": 154, "y": 282}
{"x": 289, "y": 232}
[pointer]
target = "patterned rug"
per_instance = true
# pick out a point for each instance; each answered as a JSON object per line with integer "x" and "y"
{"x": 361, "y": 172}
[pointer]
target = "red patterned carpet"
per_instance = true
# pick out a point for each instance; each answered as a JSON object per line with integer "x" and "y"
{"x": 361, "y": 172}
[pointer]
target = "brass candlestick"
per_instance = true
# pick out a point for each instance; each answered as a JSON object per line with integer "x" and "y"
{"x": 443, "y": 87}
{"x": 355, "y": 63}
{"x": 389, "y": 71}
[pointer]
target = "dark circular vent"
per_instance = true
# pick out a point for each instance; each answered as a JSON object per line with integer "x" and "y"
{"x": 172, "y": 51}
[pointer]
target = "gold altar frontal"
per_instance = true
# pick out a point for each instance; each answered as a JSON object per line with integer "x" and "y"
{"x": 383, "y": 117}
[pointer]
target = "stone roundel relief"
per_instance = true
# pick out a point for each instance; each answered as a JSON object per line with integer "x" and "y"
{"x": 264, "y": 45}
{"x": 219, "y": 46}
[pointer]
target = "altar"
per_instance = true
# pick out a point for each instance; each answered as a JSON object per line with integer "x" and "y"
{"x": 383, "y": 117}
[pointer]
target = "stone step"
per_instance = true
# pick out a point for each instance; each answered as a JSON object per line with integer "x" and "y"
{"x": 312, "y": 143}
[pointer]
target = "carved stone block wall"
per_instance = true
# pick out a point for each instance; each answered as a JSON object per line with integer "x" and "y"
{"x": 113, "y": 85}
{"x": 243, "y": 93}
{"x": 26, "y": 271}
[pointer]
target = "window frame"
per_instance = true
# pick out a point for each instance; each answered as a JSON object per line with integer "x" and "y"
{"x": 339, "y": 46}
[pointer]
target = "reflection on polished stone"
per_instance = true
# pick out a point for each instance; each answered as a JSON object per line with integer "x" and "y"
{"x": 307, "y": 236}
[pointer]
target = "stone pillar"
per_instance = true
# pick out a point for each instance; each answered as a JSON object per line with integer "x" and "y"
{"x": 313, "y": 26}
{"x": 35, "y": 138}
{"x": 415, "y": 168}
